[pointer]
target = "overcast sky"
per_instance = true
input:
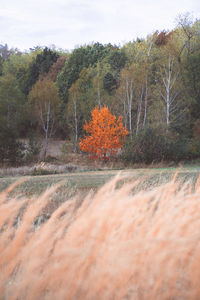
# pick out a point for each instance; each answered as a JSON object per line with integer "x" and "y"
{"x": 69, "y": 23}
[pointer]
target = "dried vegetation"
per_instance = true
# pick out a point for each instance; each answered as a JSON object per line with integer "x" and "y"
{"x": 115, "y": 244}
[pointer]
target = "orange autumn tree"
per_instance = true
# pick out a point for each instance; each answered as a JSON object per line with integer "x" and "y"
{"x": 105, "y": 134}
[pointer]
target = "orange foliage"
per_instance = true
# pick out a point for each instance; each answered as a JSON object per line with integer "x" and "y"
{"x": 106, "y": 134}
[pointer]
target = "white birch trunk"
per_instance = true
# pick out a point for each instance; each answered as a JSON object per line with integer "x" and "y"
{"x": 139, "y": 111}
{"x": 129, "y": 94}
{"x": 168, "y": 79}
{"x": 145, "y": 103}
{"x": 75, "y": 126}
{"x": 46, "y": 128}
{"x": 99, "y": 95}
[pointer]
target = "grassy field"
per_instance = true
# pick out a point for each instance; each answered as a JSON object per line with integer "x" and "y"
{"x": 116, "y": 244}
{"x": 82, "y": 182}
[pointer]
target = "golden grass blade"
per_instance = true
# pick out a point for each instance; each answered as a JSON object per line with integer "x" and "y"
{"x": 116, "y": 244}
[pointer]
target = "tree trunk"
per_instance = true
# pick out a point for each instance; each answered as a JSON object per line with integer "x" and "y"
{"x": 129, "y": 93}
{"x": 45, "y": 126}
{"x": 99, "y": 96}
{"x": 76, "y": 127}
{"x": 139, "y": 111}
{"x": 145, "y": 104}
{"x": 45, "y": 145}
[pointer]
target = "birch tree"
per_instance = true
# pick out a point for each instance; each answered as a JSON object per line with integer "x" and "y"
{"x": 133, "y": 93}
{"x": 169, "y": 89}
{"x": 45, "y": 101}
{"x": 73, "y": 112}
{"x": 80, "y": 102}
{"x": 97, "y": 83}
{"x": 185, "y": 21}
{"x": 135, "y": 82}
{"x": 127, "y": 92}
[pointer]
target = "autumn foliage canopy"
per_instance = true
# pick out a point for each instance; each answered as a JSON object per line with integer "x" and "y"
{"x": 105, "y": 134}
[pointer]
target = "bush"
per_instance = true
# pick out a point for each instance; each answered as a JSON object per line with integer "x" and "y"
{"x": 151, "y": 145}
{"x": 178, "y": 149}
{"x": 66, "y": 148}
{"x": 147, "y": 147}
{"x": 11, "y": 150}
{"x": 32, "y": 150}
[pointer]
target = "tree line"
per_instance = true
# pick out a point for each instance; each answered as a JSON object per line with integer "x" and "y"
{"x": 154, "y": 83}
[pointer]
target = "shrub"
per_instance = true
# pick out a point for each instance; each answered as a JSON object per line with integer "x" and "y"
{"x": 66, "y": 148}
{"x": 11, "y": 150}
{"x": 32, "y": 150}
{"x": 151, "y": 145}
{"x": 147, "y": 147}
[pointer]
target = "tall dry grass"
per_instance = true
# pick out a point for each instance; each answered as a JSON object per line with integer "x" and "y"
{"x": 113, "y": 245}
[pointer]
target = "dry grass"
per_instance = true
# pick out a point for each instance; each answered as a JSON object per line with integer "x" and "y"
{"x": 41, "y": 168}
{"x": 113, "y": 245}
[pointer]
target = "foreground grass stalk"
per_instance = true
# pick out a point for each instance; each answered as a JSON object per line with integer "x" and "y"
{"x": 115, "y": 244}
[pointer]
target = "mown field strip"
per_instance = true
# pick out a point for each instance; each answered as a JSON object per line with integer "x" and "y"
{"x": 84, "y": 181}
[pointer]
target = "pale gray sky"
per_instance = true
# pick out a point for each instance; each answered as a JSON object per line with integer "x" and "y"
{"x": 67, "y": 23}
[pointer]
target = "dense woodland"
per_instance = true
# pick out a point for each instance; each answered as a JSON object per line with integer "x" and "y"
{"x": 154, "y": 83}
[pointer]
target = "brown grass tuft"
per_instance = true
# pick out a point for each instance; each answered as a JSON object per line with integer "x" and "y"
{"x": 113, "y": 245}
